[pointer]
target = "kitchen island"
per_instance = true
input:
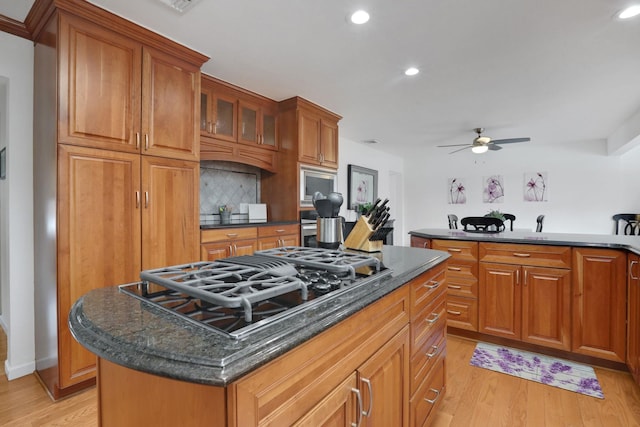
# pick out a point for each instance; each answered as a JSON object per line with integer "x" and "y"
{"x": 575, "y": 296}
{"x": 373, "y": 337}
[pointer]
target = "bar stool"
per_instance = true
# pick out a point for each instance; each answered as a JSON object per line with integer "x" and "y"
{"x": 453, "y": 221}
{"x": 631, "y": 224}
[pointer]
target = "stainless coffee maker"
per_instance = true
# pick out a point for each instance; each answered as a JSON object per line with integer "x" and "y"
{"x": 329, "y": 226}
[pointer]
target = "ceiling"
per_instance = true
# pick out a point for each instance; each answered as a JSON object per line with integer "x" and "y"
{"x": 556, "y": 71}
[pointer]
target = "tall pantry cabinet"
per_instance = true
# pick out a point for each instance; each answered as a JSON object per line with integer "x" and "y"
{"x": 116, "y": 161}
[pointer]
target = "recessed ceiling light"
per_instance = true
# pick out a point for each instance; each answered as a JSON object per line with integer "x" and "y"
{"x": 629, "y": 12}
{"x": 411, "y": 71}
{"x": 359, "y": 17}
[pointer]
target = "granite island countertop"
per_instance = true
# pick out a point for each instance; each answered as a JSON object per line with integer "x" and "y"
{"x": 132, "y": 333}
{"x": 630, "y": 243}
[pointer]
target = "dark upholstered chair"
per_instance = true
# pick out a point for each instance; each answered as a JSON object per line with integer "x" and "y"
{"x": 539, "y": 222}
{"x": 453, "y": 221}
{"x": 482, "y": 223}
{"x": 630, "y": 224}
{"x": 510, "y": 218}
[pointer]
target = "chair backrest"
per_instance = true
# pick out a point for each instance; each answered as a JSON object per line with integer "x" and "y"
{"x": 510, "y": 218}
{"x": 630, "y": 223}
{"x": 453, "y": 221}
{"x": 539, "y": 222}
{"x": 482, "y": 223}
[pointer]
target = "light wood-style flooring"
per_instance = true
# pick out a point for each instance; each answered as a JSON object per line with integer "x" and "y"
{"x": 475, "y": 397}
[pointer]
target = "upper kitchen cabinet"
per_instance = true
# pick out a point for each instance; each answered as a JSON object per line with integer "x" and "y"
{"x": 237, "y": 125}
{"x": 117, "y": 93}
{"x": 312, "y": 130}
{"x": 257, "y": 124}
{"x": 218, "y": 111}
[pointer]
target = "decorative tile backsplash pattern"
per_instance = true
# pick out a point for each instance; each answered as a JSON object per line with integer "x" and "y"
{"x": 227, "y": 183}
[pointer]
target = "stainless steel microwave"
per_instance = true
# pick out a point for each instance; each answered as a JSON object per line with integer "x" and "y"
{"x": 316, "y": 179}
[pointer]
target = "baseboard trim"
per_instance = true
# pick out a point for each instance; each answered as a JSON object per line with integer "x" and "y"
{"x": 14, "y": 372}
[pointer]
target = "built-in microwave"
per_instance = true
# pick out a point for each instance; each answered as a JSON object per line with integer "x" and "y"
{"x": 316, "y": 179}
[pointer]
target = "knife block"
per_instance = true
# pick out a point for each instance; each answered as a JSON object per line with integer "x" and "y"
{"x": 358, "y": 239}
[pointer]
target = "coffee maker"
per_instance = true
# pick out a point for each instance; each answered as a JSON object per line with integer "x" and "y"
{"x": 329, "y": 226}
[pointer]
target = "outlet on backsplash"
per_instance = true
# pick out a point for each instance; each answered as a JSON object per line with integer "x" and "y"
{"x": 230, "y": 184}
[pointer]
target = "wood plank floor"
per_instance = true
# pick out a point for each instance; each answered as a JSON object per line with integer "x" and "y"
{"x": 475, "y": 397}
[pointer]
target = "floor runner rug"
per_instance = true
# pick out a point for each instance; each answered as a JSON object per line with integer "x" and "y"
{"x": 536, "y": 367}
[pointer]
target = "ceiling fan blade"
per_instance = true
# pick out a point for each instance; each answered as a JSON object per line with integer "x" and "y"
{"x": 460, "y": 149}
{"x": 453, "y": 145}
{"x": 493, "y": 147}
{"x": 510, "y": 140}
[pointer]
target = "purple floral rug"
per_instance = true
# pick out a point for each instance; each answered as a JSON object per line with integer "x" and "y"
{"x": 536, "y": 367}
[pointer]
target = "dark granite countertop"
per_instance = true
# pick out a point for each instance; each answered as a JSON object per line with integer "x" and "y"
{"x": 132, "y": 333}
{"x": 215, "y": 224}
{"x": 630, "y": 243}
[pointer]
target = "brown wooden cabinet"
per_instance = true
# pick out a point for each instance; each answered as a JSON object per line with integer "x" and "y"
{"x": 420, "y": 242}
{"x": 237, "y": 125}
{"x": 462, "y": 282}
{"x": 257, "y": 123}
{"x": 599, "y": 303}
{"x": 318, "y": 136}
{"x": 277, "y": 236}
{"x": 522, "y": 299}
{"x": 119, "y": 94}
{"x": 226, "y": 242}
{"x": 115, "y": 137}
{"x": 633, "y": 315}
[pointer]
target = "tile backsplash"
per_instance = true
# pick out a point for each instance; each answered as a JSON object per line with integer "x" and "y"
{"x": 227, "y": 183}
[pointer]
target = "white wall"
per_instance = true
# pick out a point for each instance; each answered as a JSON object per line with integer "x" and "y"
{"x": 585, "y": 186}
{"x": 390, "y": 172}
{"x": 16, "y": 204}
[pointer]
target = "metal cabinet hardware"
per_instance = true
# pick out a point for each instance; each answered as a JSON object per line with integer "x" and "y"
{"x": 432, "y": 401}
{"x": 433, "y": 353}
{"x": 368, "y": 383}
{"x": 435, "y": 318}
{"x": 359, "y": 410}
{"x": 521, "y": 255}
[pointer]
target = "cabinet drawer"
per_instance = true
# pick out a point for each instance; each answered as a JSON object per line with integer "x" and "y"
{"x": 464, "y": 288}
{"x": 226, "y": 234}
{"x": 535, "y": 255}
{"x": 462, "y": 313}
{"x": 278, "y": 230}
{"x": 459, "y": 250}
{"x": 426, "y": 358}
{"x": 425, "y": 287}
{"x": 429, "y": 322}
{"x": 429, "y": 396}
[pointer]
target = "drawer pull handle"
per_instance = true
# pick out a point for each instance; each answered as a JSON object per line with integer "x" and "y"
{"x": 433, "y": 353}
{"x": 454, "y": 250}
{"x": 279, "y": 230}
{"x": 232, "y": 234}
{"x": 359, "y": 410}
{"x": 631, "y": 264}
{"x": 521, "y": 255}
{"x": 435, "y": 318}
{"x": 437, "y": 392}
{"x": 434, "y": 286}
{"x": 368, "y": 383}
{"x": 454, "y": 287}
{"x": 454, "y": 268}
{"x": 455, "y": 313}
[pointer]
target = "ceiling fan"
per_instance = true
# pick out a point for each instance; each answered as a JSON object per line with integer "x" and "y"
{"x": 483, "y": 143}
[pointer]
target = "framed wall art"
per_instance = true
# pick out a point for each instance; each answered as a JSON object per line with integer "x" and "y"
{"x": 363, "y": 186}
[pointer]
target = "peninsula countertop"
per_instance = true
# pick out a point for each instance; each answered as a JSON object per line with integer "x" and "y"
{"x": 630, "y": 243}
{"x": 134, "y": 334}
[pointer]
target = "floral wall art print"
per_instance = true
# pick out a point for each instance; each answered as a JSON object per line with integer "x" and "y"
{"x": 493, "y": 189}
{"x": 457, "y": 191}
{"x": 535, "y": 187}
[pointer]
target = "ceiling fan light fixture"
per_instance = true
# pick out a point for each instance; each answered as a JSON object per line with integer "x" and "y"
{"x": 479, "y": 148}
